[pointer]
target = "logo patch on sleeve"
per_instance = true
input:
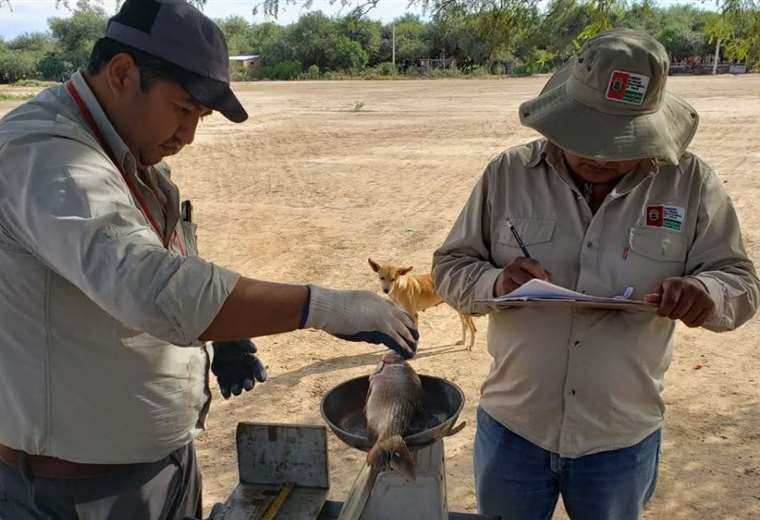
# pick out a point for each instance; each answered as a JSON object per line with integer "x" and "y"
{"x": 627, "y": 87}
{"x": 666, "y": 216}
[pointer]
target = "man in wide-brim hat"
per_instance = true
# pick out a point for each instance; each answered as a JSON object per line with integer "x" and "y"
{"x": 608, "y": 203}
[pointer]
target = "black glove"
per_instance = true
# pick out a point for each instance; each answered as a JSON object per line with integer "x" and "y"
{"x": 236, "y": 366}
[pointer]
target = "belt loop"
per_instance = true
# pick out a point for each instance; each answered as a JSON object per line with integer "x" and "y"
{"x": 175, "y": 458}
{"x": 23, "y": 466}
{"x": 26, "y": 475}
{"x": 555, "y": 463}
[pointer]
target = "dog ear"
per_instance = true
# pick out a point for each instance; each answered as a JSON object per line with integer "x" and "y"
{"x": 373, "y": 265}
{"x": 405, "y": 270}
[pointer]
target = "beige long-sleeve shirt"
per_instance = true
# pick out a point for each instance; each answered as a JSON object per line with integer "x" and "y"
{"x": 577, "y": 382}
{"x": 99, "y": 322}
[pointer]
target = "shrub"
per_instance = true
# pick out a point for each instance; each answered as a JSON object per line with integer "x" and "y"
{"x": 480, "y": 70}
{"x": 524, "y": 69}
{"x": 238, "y": 74}
{"x": 15, "y": 66}
{"x": 385, "y": 69}
{"x": 445, "y": 73}
{"x": 285, "y": 70}
{"x": 34, "y": 83}
{"x": 413, "y": 72}
{"x": 313, "y": 72}
{"x": 499, "y": 69}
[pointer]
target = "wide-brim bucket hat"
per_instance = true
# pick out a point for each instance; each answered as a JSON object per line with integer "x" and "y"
{"x": 609, "y": 102}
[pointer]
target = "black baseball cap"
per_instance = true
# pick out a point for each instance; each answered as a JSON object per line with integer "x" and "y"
{"x": 181, "y": 35}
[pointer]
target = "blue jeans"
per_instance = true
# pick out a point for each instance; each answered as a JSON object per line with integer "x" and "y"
{"x": 517, "y": 480}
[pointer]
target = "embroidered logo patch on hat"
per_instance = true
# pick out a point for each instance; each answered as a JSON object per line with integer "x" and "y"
{"x": 627, "y": 87}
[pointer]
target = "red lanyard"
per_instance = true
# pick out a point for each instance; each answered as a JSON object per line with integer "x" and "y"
{"x": 132, "y": 188}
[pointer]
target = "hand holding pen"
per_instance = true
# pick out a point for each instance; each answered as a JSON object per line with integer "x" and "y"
{"x": 520, "y": 270}
{"x": 518, "y": 239}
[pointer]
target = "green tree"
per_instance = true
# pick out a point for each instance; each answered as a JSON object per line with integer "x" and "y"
{"x": 558, "y": 30}
{"x": 57, "y": 65}
{"x": 366, "y": 33}
{"x": 743, "y": 40}
{"x": 502, "y": 28}
{"x": 32, "y": 42}
{"x": 16, "y": 65}
{"x": 604, "y": 14}
{"x": 681, "y": 42}
{"x": 346, "y": 54}
{"x": 74, "y": 37}
{"x": 642, "y": 16}
{"x": 311, "y": 37}
{"x": 24, "y": 55}
{"x": 411, "y": 42}
{"x": 276, "y": 48}
{"x": 238, "y": 33}
{"x": 718, "y": 30}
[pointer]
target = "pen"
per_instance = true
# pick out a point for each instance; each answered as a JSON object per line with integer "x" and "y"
{"x": 187, "y": 211}
{"x": 519, "y": 240}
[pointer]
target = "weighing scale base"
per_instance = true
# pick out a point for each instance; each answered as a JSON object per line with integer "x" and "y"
{"x": 331, "y": 510}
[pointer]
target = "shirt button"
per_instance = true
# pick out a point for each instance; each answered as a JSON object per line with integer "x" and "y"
{"x": 589, "y": 244}
{"x": 572, "y": 392}
{"x": 577, "y": 343}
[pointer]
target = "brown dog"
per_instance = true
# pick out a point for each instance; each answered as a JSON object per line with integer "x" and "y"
{"x": 415, "y": 293}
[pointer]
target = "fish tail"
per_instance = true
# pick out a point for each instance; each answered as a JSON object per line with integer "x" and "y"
{"x": 392, "y": 452}
{"x": 376, "y": 455}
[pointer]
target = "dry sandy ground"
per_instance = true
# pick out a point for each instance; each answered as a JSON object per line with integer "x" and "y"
{"x": 313, "y": 184}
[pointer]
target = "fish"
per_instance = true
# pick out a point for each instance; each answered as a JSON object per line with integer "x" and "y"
{"x": 393, "y": 399}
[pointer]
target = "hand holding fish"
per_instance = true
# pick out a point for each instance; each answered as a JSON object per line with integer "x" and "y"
{"x": 361, "y": 316}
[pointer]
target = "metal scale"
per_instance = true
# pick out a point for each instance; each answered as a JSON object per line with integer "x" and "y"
{"x": 284, "y": 468}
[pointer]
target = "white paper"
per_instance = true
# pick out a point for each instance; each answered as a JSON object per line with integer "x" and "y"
{"x": 537, "y": 290}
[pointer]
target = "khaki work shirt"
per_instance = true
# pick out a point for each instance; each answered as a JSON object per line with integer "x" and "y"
{"x": 577, "y": 382}
{"x": 99, "y": 354}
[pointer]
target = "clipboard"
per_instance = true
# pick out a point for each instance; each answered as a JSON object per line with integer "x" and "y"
{"x": 538, "y": 293}
{"x": 635, "y": 305}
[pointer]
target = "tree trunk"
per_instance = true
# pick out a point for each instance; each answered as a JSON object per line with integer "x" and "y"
{"x": 717, "y": 56}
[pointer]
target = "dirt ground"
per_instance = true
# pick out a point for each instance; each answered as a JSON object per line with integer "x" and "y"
{"x": 325, "y": 174}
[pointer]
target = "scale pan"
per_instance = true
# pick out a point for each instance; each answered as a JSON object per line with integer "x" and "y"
{"x": 342, "y": 409}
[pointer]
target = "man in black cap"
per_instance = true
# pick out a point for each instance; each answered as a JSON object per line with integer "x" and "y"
{"x": 106, "y": 305}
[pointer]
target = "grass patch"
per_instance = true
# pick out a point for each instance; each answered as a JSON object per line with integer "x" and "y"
{"x": 15, "y": 97}
{"x": 35, "y": 83}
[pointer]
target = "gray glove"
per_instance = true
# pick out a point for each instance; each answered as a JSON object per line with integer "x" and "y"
{"x": 360, "y": 316}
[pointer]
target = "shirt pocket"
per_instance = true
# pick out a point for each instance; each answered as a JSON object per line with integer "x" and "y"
{"x": 536, "y": 234}
{"x": 654, "y": 255}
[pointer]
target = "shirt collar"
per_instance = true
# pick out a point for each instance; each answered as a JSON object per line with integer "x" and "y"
{"x": 120, "y": 150}
{"x": 553, "y": 156}
{"x": 539, "y": 153}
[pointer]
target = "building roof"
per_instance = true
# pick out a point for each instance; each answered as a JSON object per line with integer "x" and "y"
{"x": 244, "y": 57}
